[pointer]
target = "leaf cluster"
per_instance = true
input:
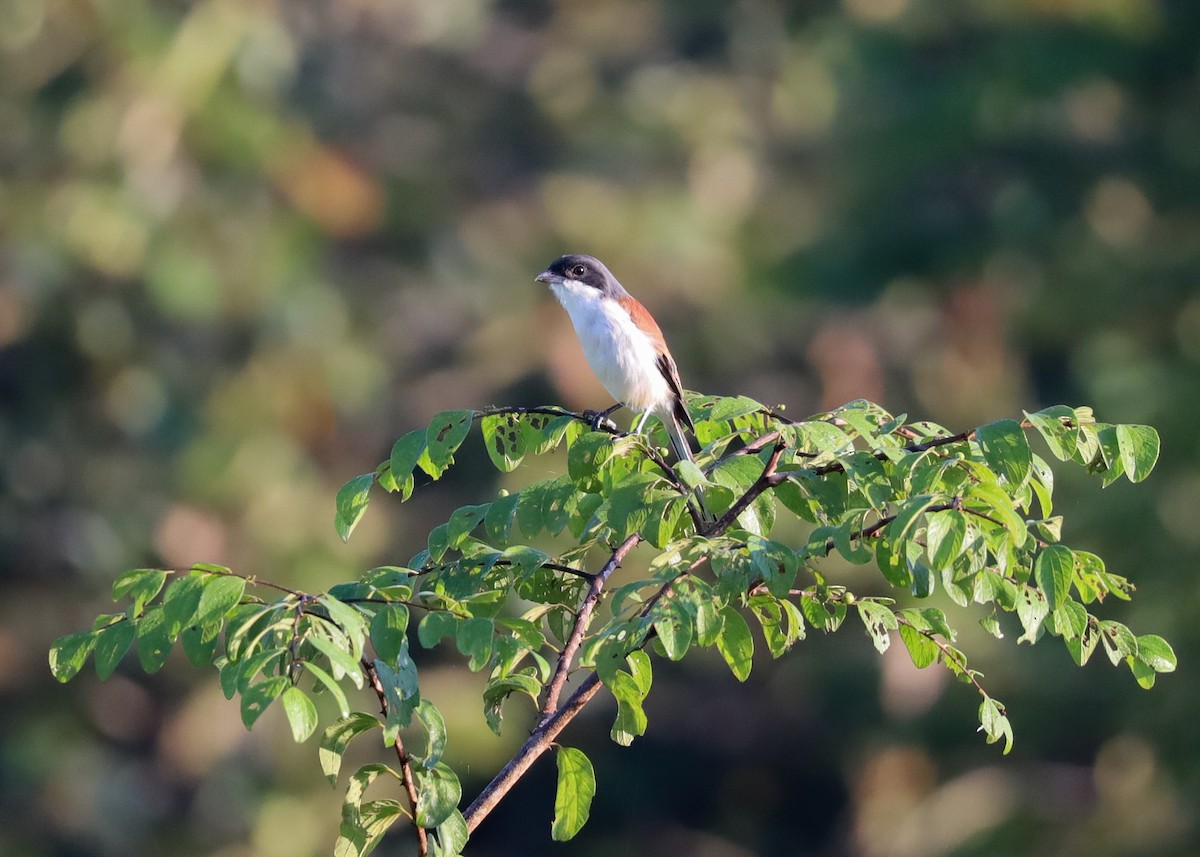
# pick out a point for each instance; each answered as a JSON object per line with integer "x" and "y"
{"x": 969, "y": 513}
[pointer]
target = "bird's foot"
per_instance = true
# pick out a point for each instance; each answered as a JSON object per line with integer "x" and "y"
{"x": 599, "y": 420}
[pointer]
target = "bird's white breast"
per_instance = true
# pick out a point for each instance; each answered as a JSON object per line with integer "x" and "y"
{"x": 621, "y": 355}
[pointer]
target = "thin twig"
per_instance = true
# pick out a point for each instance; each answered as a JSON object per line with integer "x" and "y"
{"x": 947, "y": 653}
{"x": 553, "y": 566}
{"x": 582, "y": 618}
{"x": 406, "y": 774}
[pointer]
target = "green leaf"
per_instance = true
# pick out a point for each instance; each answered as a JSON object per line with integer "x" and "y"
{"x": 1119, "y": 641}
{"x": 504, "y": 439}
{"x": 364, "y": 823}
{"x": 111, "y": 645}
{"x": 1059, "y": 427}
{"x": 663, "y": 519}
{"x": 586, "y": 456}
{"x": 628, "y": 509}
{"x": 439, "y": 542}
{"x": 738, "y": 474}
{"x": 401, "y": 691}
{"x": 200, "y": 642}
{"x": 331, "y": 685}
{"x": 474, "y": 639}
{"x": 451, "y": 838}
{"x": 1142, "y": 672}
{"x": 351, "y": 503}
{"x": 1139, "y": 447}
{"x": 444, "y": 436}
{"x": 338, "y": 736}
{"x": 140, "y": 584}
{"x": 463, "y": 521}
{"x": 498, "y": 521}
{"x": 855, "y": 550}
{"x": 69, "y": 653}
{"x": 301, "y": 713}
{"x": 674, "y": 625}
{"x": 631, "y": 720}
{"x": 1053, "y": 569}
{"x": 1156, "y": 653}
{"x": 1108, "y": 462}
{"x": 438, "y": 794}
{"x": 498, "y": 689}
{"x": 993, "y": 720}
{"x": 921, "y": 649}
{"x": 258, "y": 697}
{"x": 1084, "y": 643}
{"x": 731, "y": 407}
{"x": 735, "y": 643}
{"x": 529, "y": 509}
{"x": 708, "y": 622}
{"x": 867, "y": 474}
{"x": 889, "y": 556}
{"x": 435, "y": 626}
{"x": 435, "y": 730}
{"x": 349, "y": 619}
{"x": 878, "y": 619}
{"x": 180, "y": 603}
{"x": 249, "y": 668}
{"x": 573, "y": 796}
{"x": 221, "y": 594}
{"x": 340, "y": 661}
{"x": 388, "y": 627}
{"x": 1006, "y": 450}
{"x": 691, "y": 475}
{"x": 153, "y": 640}
{"x": 945, "y": 534}
{"x": 1032, "y": 609}
{"x": 1042, "y": 484}
{"x": 999, "y": 505}
{"x": 641, "y": 670}
{"x": 406, "y": 452}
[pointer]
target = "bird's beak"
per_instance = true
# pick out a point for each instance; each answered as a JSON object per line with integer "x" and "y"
{"x": 547, "y": 278}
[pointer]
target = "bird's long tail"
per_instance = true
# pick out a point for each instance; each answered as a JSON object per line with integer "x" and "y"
{"x": 681, "y": 445}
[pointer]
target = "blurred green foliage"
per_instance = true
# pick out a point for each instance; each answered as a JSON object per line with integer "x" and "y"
{"x": 246, "y": 245}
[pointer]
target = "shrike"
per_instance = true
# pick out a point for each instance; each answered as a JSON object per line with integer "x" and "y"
{"x": 622, "y": 344}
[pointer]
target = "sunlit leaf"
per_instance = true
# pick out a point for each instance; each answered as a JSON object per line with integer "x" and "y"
{"x": 735, "y": 643}
{"x": 69, "y": 653}
{"x": 574, "y": 793}
{"x": 337, "y": 737}
{"x": 351, "y": 503}
{"x": 301, "y": 713}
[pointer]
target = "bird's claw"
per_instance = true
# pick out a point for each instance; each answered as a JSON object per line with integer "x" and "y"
{"x": 599, "y": 421}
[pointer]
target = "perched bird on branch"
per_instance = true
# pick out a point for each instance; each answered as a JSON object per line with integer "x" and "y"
{"x": 622, "y": 344}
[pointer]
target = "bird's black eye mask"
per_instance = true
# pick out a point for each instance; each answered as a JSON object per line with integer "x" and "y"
{"x": 581, "y": 269}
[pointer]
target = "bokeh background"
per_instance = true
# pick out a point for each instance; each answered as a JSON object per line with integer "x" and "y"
{"x": 245, "y": 244}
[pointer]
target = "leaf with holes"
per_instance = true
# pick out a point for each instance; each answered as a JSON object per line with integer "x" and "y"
{"x": 504, "y": 439}
{"x": 1139, "y": 450}
{"x": 444, "y": 436}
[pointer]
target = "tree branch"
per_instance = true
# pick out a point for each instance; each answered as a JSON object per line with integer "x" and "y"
{"x": 538, "y": 742}
{"x": 582, "y": 619}
{"x": 769, "y": 478}
{"x": 406, "y": 775}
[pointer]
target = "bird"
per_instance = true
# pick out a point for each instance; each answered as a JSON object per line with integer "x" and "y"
{"x": 623, "y": 345}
